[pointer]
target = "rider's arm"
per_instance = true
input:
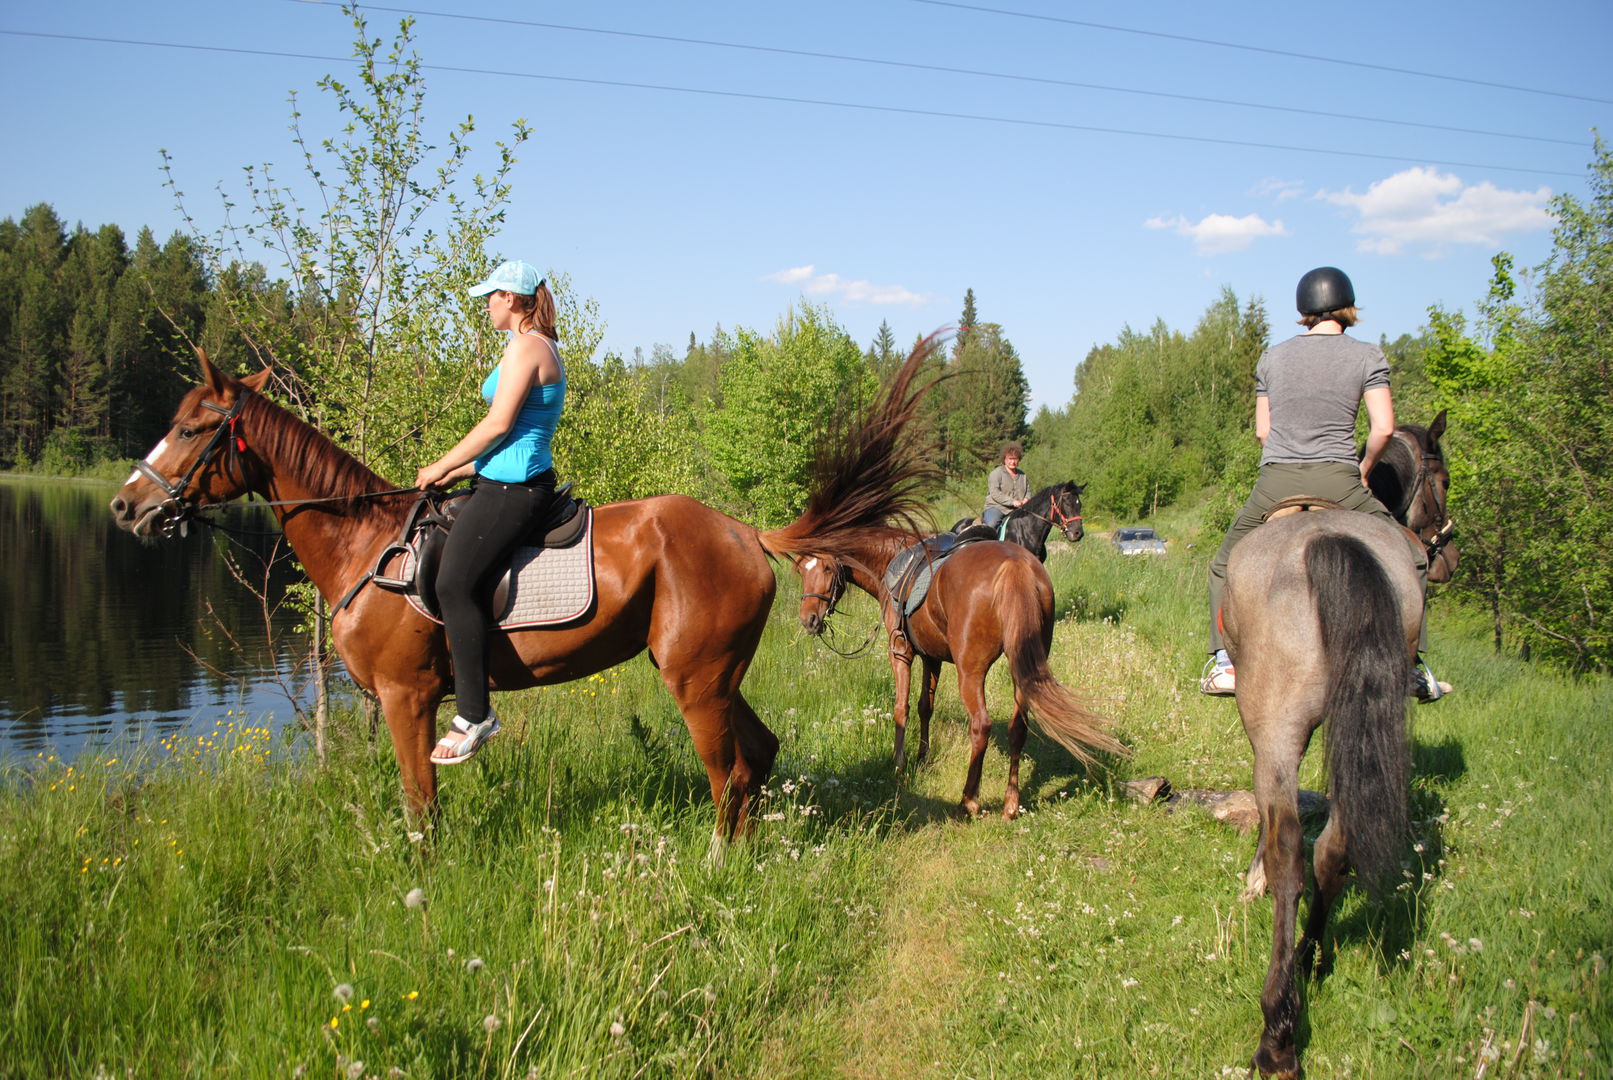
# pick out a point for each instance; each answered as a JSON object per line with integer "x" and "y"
{"x": 1262, "y": 418}
{"x": 518, "y": 371}
{"x": 1381, "y": 425}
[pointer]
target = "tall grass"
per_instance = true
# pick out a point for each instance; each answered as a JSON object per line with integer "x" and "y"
{"x": 217, "y": 906}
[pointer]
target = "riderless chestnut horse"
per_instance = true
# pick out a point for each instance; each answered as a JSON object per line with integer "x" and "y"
{"x": 688, "y": 583}
{"x": 1322, "y": 613}
{"x": 987, "y": 599}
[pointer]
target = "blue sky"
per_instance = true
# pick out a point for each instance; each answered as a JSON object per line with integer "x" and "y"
{"x": 1063, "y": 160}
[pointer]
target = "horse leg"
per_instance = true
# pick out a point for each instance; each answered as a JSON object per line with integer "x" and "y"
{"x": 902, "y": 674}
{"x": 1283, "y": 852}
{"x": 1254, "y": 879}
{"x": 1331, "y": 859}
{"x": 1017, "y": 730}
{"x": 758, "y": 748}
{"x": 411, "y": 715}
{"x": 928, "y": 678}
{"x": 972, "y": 689}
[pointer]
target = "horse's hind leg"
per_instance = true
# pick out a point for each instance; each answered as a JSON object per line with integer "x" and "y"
{"x": 1332, "y": 867}
{"x": 1283, "y": 853}
{"x": 972, "y": 689}
{"x": 1017, "y": 729}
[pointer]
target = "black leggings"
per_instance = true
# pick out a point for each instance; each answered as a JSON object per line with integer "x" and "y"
{"x": 492, "y": 521}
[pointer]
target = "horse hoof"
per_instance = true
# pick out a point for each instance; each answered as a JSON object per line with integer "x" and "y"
{"x": 1010, "y": 809}
{"x": 969, "y": 808}
{"x": 1284, "y": 1065}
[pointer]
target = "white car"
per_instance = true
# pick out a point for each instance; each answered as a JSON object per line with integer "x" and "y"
{"x": 1137, "y": 540}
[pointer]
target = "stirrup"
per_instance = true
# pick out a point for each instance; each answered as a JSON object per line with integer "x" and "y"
{"x": 1425, "y": 687}
{"x": 470, "y": 739}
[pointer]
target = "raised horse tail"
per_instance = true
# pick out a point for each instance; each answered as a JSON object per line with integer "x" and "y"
{"x": 1369, "y": 675}
{"x": 871, "y": 475}
{"x": 1021, "y": 595}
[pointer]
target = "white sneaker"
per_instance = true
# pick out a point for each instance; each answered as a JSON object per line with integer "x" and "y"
{"x": 1219, "y": 678}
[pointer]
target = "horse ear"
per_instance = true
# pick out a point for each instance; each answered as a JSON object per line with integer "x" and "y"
{"x": 215, "y": 379}
{"x": 256, "y": 382}
{"x": 1437, "y": 428}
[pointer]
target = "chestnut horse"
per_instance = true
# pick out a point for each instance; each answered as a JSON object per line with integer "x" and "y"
{"x": 987, "y": 599}
{"x": 688, "y": 583}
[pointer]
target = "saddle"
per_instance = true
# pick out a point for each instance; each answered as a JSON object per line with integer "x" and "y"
{"x": 907, "y": 578}
{"x": 410, "y": 564}
{"x": 1296, "y": 504}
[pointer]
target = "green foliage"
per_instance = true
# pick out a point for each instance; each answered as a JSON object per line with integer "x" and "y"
{"x": 1529, "y": 397}
{"x": 781, "y": 396}
{"x": 369, "y": 329}
{"x": 1159, "y": 415}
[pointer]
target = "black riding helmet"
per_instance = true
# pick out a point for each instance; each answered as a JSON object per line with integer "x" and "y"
{"x": 1327, "y": 288}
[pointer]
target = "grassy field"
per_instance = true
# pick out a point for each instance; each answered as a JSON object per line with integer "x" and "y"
{"x": 222, "y": 907}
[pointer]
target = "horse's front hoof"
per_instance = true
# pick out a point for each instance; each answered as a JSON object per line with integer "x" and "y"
{"x": 969, "y": 809}
{"x": 1011, "y": 807}
{"x": 1282, "y": 1064}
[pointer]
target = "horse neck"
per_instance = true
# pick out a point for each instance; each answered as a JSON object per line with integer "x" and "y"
{"x": 1029, "y": 525}
{"x": 873, "y": 552}
{"x": 333, "y": 540}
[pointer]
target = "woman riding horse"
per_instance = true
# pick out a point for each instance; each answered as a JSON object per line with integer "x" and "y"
{"x": 1308, "y": 391}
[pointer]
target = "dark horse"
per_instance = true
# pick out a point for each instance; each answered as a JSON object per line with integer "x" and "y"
{"x": 1028, "y": 525}
{"x": 1322, "y": 613}
{"x": 1411, "y": 480}
{"x": 690, "y": 584}
{"x": 987, "y": 599}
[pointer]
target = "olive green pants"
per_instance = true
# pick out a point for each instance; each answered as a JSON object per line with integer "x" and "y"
{"x": 1334, "y": 481}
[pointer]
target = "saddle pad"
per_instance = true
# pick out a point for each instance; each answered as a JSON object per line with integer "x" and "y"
{"x": 548, "y": 586}
{"x": 903, "y": 573}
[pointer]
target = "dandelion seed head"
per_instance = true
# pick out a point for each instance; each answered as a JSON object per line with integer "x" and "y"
{"x": 491, "y": 1023}
{"x": 343, "y": 992}
{"x": 616, "y": 1029}
{"x": 415, "y": 898}
{"x": 355, "y": 1070}
{"x": 474, "y": 964}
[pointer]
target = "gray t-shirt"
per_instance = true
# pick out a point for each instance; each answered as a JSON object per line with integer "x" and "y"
{"x": 1314, "y": 384}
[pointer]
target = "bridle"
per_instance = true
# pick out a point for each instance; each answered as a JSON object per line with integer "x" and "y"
{"x": 1425, "y": 495}
{"x": 179, "y": 509}
{"x": 1056, "y": 517}
{"x": 837, "y": 590}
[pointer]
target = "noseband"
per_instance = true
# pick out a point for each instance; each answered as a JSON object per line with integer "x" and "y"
{"x": 177, "y": 508}
{"x": 1056, "y": 517}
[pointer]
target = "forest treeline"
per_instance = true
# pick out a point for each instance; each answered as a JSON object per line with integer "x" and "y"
{"x": 359, "y": 304}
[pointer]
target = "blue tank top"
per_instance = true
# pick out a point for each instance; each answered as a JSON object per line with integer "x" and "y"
{"x": 524, "y": 451}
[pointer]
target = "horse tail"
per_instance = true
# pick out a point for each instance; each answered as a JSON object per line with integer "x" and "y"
{"x": 1019, "y": 596}
{"x": 1369, "y": 673}
{"x": 873, "y": 474}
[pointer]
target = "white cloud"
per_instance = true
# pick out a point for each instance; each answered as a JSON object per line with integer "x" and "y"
{"x": 1426, "y": 209}
{"x": 862, "y": 292}
{"x": 1281, "y": 190}
{"x": 1217, "y": 234}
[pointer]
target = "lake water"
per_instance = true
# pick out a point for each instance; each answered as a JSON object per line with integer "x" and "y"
{"x": 105, "y": 638}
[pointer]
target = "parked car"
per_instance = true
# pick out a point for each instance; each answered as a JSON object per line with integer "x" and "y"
{"x": 1137, "y": 540}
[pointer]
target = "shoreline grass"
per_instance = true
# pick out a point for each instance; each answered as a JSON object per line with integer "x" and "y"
{"x": 225, "y": 910}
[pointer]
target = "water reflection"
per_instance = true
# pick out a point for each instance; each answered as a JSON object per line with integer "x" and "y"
{"x": 107, "y": 636}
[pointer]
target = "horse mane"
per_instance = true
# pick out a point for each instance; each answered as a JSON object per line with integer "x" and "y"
{"x": 304, "y": 453}
{"x": 872, "y": 476}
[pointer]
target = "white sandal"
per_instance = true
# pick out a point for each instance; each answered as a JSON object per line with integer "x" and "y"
{"x": 465, "y": 738}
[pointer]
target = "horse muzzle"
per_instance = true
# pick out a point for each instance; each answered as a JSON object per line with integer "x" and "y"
{"x": 812, "y": 623}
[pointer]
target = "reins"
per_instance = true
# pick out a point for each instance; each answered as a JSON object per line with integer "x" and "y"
{"x": 1422, "y": 486}
{"x": 180, "y": 511}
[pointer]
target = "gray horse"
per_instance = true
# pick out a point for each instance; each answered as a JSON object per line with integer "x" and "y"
{"x": 1321, "y": 615}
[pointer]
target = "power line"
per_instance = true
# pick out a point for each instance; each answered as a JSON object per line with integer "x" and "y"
{"x": 824, "y": 103}
{"x": 952, "y": 70}
{"x": 1259, "y": 49}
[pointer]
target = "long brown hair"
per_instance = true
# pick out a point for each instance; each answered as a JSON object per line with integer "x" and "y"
{"x": 537, "y": 311}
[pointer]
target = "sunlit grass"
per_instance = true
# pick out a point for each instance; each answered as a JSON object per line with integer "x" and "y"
{"x": 214, "y": 904}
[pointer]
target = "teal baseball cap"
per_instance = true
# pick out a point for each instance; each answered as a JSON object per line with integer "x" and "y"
{"x": 512, "y": 275}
